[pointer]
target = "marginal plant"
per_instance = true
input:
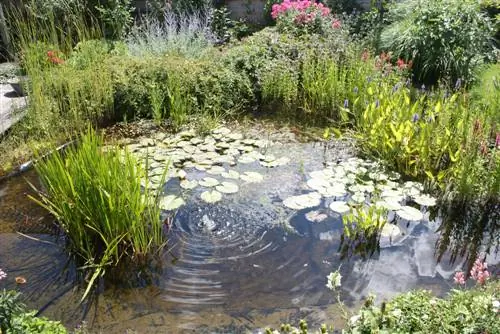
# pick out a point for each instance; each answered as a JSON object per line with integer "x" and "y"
{"x": 97, "y": 198}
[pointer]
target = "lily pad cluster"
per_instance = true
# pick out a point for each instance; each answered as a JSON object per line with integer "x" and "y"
{"x": 174, "y": 156}
{"x": 355, "y": 182}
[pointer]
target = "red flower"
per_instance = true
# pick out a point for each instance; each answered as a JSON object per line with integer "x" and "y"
{"x": 50, "y": 54}
{"x": 336, "y": 24}
{"x": 401, "y": 64}
{"x": 365, "y": 55}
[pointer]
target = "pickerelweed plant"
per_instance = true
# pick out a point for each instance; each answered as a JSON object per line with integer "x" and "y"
{"x": 103, "y": 203}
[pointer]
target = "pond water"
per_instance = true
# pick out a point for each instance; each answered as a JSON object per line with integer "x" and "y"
{"x": 236, "y": 266}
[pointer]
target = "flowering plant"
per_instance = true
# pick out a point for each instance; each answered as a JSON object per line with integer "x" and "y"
{"x": 478, "y": 273}
{"x": 53, "y": 58}
{"x": 303, "y": 16}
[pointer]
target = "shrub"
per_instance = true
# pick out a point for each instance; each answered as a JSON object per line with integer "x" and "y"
{"x": 303, "y": 17}
{"x": 14, "y": 319}
{"x": 446, "y": 39}
{"x": 97, "y": 198}
{"x": 464, "y": 311}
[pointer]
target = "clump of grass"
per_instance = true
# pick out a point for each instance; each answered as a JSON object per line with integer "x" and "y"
{"x": 177, "y": 34}
{"x": 97, "y": 198}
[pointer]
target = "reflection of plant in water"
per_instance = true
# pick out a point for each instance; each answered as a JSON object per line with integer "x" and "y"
{"x": 361, "y": 231}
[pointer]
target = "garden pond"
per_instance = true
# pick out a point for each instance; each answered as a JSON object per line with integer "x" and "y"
{"x": 255, "y": 229}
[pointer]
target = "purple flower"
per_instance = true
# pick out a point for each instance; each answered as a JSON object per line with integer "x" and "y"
{"x": 415, "y": 118}
{"x": 407, "y": 83}
{"x": 355, "y": 90}
{"x": 396, "y": 87}
{"x": 3, "y": 274}
{"x": 497, "y": 140}
{"x": 458, "y": 84}
{"x": 369, "y": 79}
{"x": 346, "y": 103}
{"x": 377, "y": 103}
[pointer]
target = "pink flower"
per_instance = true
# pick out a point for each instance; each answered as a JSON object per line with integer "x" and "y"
{"x": 459, "y": 278}
{"x": 336, "y": 24}
{"x": 3, "y": 274}
{"x": 497, "y": 140}
{"x": 479, "y": 272}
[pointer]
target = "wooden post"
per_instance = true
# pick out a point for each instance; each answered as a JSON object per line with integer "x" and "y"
{"x": 4, "y": 33}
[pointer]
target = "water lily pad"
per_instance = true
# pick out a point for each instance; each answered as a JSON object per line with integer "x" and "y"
{"x": 211, "y": 196}
{"x": 390, "y": 231}
{"x": 188, "y": 184}
{"x": 235, "y": 136}
{"x": 227, "y": 188}
{"x": 216, "y": 170}
{"x": 246, "y": 159}
{"x": 389, "y": 203}
{"x": 340, "y": 207}
{"x": 252, "y": 177}
{"x": 200, "y": 167}
{"x": 315, "y": 216}
{"x": 317, "y": 184}
{"x": 305, "y": 201}
{"x": 231, "y": 174}
{"x": 171, "y": 202}
{"x": 222, "y": 131}
{"x": 410, "y": 214}
{"x": 337, "y": 190}
{"x": 208, "y": 182}
{"x": 147, "y": 142}
{"x": 196, "y": 141}
{"x": 358, "y": 197}
{"x": 189, "y": 149}
{"x": 425, "y": 200}
{"x": 319, "y": 175}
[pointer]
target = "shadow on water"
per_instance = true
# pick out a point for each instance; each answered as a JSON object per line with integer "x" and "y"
{"x": 244, "y": 264}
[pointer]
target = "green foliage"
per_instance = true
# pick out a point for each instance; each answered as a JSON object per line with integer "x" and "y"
{"x": 97, "y": 197}
{"x": 15, "y": 320}
{"x": 116, "y": 16}
{"x": 220, "y": 24}
{"x": 464, "y": 311}
{"x": 446, "y": 39}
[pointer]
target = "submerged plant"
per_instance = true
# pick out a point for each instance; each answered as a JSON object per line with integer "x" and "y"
{"x": 97, "y": 198}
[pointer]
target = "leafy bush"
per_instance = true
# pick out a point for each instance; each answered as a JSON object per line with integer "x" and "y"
{"x": 303, "y": 17}
{"x": 446, "y": 39}
{"x": 15, "y": 320}
{"x": 97, "y": 197}
{"x": 464, "y": 311}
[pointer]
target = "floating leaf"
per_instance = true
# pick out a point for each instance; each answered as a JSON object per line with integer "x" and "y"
{"x": 390, "y": 231}
{"x": 216, "y": 170}
{"x": 358, "y": 197}
{"x": 252, "y": 177}
{"x": 340, "y": 207}
{"x": 317, "y": 184}
{"x": 425, "y": 200}
{"x": 235, "y": 136}
{"x": 231, "y": 174}
{"x": 211, "y": 196}
{"x": 316, "y": 216}
{"x": 305, "y": 201}
{"x": 227, "y": 188}
{"x": 208, "y": 182}
{"x": 246, "y": 159}
{"x": 222, "y": 131}
{"x": 171, "y": 202}
{"x": 410, "y": 214}
{"x": 389, "y": 203}
{"x": 187, "y": 184}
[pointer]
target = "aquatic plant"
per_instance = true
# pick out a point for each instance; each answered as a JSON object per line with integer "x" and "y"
{"x": 97, "y": 198}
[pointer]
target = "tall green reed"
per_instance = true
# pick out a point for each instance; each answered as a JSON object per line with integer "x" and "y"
{"x": 97, "y": 198}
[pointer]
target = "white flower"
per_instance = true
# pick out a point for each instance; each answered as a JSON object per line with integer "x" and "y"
{"x": 496, "y": 305}
{"x": 334, "y": 280}
{"x": 3, "y": 274}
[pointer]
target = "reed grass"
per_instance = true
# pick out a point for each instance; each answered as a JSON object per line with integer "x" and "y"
{"x": 97, "y": 198}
